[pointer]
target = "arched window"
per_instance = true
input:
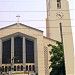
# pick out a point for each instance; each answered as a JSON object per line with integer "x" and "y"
{"x": 2, "y": 68}
{"x": 18, "y": 49}
{"x": 5, "y": 68}
{"x": 9, "y": 68}
{"x": 21, "y": 68}
{"x": 29, "y": 67}
{"x": 6, "y": 51}
{"x": 33, "y": 68}
{"x": 26, "y": 67}
{"x": 18, "y": 68}
{"x": 29, "y": 51}
{"x": 14, "y": 68}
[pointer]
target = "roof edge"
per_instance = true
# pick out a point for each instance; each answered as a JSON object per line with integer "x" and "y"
{"x": 49, "y": 38}
{"x": 22, "y": 25}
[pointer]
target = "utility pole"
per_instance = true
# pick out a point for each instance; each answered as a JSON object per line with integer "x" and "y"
{"x": 12, "y": 62}
{"x": 61, "y": 34}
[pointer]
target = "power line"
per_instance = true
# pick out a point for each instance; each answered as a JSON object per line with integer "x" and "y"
{"x": 19, "y": 1}
{"x": 50, "y": 34}
{"x": 38, "y": 20}
{"x": 37, "y": 11}
{"x": 64, "y": 33}
{"x": 23, "y": 11}
{"x": 63, "y": 10}
{"x": 41, "y": 27}
{"x": 22, "y": 0}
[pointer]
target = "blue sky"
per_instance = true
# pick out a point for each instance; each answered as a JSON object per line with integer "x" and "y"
{"x": 28, "y": 16}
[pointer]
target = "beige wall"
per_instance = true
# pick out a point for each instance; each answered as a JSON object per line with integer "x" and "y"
{"x": 41, "y": 42}
{"x": 46, "y": 42}
{"x": 30, "y": 32}
{"x": 66, "y": 29}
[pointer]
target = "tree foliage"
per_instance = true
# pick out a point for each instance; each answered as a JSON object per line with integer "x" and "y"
{"x": 57, "y": 59}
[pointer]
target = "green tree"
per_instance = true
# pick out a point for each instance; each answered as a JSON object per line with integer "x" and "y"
{"x": 57, "y": 59}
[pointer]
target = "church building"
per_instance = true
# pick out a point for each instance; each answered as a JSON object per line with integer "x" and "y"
{"x": 24, "y": 48}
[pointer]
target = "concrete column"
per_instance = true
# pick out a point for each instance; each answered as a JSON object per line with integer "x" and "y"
{"x": 24, "y": 54}
{"x": 35, "y": 56}
{"x": 0, "y": 52}
{"x": 12, "y": 51}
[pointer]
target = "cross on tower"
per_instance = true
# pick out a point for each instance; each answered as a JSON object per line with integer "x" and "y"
{"x": 17, "y": 18}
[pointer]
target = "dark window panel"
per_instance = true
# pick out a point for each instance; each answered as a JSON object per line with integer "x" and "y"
{"x": 29, "y": 51}
{"x": 6, "y": 68}
{"x": 58, "y": 0}
{"x": 9, "y": 68}
{"x": 6, "y": 52}
{"x": 18, "y": 68}
{"x": 18, "y": 50}
{"x": 21, "y": 68}
{"x": 14, "y": 68}
{"x": 29, "y": 67}
{"x": 58, "y": 4}
{"x": 2, "y": 68}
{"x": 26, "y": 67}
{"x": 33, "y": 68}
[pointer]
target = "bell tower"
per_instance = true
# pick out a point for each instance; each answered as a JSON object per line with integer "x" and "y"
{"x": 58, "y": 13}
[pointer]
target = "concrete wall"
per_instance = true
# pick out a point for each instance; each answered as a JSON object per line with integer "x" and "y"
{"x": 46, "y": 42}
{"x": 54, "y": 31}
{"x": 28, "y": 32}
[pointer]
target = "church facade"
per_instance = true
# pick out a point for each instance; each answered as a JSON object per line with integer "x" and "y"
{"x": 23, "y": 48}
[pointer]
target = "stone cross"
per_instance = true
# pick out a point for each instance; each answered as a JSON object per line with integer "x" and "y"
{"x": 18, "y": 18}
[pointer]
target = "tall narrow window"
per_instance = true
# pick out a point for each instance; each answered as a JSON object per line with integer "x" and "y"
{"x": 29, "y": 51}
{"x": 6, "y": 51}
{"x": 18, "y": 51}
{"x": 6, "y": 68}
{"x": 9, "y": 68}
{"x": 26, "y": 67}
{"x": 33, "y": 68}
{"x": 2, "y": 68}
{"x": 58, "y": 4}
{"x": 29, "y": 67}
{"x": 18, "y": 68}
{"x": 21, "y": 68}
{"x": 14, "y": 68}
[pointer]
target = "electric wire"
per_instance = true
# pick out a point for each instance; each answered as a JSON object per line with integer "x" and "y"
{"x": 37, "y": 11}
{"x": 38, "y": 20}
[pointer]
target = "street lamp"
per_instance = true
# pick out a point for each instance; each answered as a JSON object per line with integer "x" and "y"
{"x": 12, "y": 62}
